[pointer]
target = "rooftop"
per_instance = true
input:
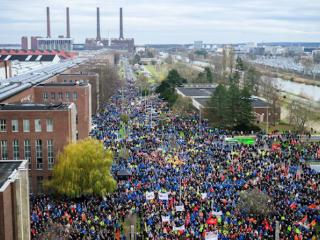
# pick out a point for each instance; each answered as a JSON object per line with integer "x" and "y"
{"x": 256, "y": 102}
{"x": 14, "y": 85}
{"x": 196, "y": 91}
{"x": 6, "y": 169}
{"x": 59, "y": 84}
{"x": 33, "y": 107}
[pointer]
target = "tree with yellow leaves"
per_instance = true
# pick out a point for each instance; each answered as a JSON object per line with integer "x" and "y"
{"x": 83, "y": 168}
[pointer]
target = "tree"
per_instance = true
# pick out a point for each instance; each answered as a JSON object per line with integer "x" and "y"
{"x": 201, "y": 52}
{"x": 169, "y": 60}
{"x": 245, "y": 113}
{"x": 270, "y": 92}
{"x": 224, "y": 61}
{"x": 252, "y": 80}
{"x": 231, "y": 109}
{"x": 255, "y": 202}
{"x": 143, "y": 84}
{"x": 136, "y": 59}
{"x": 183, "y": 106}
{"x": 231, "y": 60}
{"x": 232, "y": 99}
{"x": 167, "y": 87}
{"x": 239, "y": 64}
{"x": 299, "y": 115}
{"x": 217, "y": 106}
{"x": 209, "y": 75}
{"x": 83, "y": 168}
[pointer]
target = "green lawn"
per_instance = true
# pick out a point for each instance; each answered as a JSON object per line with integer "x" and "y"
{"x": 158, "y": 73}
{"x": 282, "y": 127}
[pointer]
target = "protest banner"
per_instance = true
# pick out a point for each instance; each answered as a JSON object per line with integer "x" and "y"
{"x": 211, "y": 236}
{"x": 181, "y": 228}
{"x": 180, "y": 208}
{"x": 149, "y": 195}
{"x": 165, "y": 219}
{"x": 204, "y": 196}
{"x": 163, "y": 196}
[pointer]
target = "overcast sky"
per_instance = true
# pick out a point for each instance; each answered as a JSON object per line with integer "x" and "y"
{"x": 167, "y": 21}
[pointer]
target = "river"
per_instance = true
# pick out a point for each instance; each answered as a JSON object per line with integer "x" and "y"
{"x": 309, "y": 91}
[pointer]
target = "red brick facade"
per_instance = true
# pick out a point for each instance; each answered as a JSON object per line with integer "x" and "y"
{"x": 63, "y": 132}
{"x": 79, "y": 94}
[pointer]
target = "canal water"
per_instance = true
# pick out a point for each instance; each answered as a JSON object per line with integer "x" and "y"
{"x": 309, "y": 91}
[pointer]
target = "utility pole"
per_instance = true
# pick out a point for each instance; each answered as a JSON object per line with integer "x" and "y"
{"x": 277, "y": 233}
{"x": 267, "y": 130}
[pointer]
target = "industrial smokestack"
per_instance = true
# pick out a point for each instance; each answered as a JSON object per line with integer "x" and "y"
{"x": 121, "y": 24}
{"x": 68, "y": 23}
{"x": 98, "y": 25}
{"x": 48, "y": 23}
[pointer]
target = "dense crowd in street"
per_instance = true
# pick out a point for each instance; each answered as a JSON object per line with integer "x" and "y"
{"x": 185, "y": 180}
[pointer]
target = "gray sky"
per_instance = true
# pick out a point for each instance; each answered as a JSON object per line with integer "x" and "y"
{"x": 167, "y": 21}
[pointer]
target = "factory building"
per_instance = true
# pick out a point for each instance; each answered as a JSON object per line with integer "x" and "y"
{"x": 120, "y": 43}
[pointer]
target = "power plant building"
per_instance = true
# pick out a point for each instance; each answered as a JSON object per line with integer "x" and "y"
{"x": 55, "y": 44}
{"x": 121, "y": 43}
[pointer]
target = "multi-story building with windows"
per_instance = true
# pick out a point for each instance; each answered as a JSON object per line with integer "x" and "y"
{"x": 37, "y": 133}
{"x": 78, "y": 93}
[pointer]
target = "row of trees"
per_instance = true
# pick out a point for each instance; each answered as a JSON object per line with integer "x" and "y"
{"x": 231, "y": 108}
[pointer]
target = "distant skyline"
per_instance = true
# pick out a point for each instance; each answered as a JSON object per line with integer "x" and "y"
{"x": 167, "y": 21}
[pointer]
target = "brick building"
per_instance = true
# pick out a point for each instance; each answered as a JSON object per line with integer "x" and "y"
{"x": 14, "y": 200}
{"x": 36, "y": 132}
{"x": 92, "y": 78}
{"x": 70, "y": 92}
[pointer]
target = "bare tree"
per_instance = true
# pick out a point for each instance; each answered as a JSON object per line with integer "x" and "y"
{"x": 299, "y": 114}
{"x": 255, "y": 202}
{"x": 269, "y": 90}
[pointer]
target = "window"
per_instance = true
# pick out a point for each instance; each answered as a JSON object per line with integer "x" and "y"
{"x": 16, "y": 154}
{"x": 15, "y": 125}
{"x": 60, "y": 95}
{"x": 4, "y": 149}
{"x": 37, "y": 125}
{"x": 26, "y": 125}
{"x": 75, "y": 96}
{"x": 50, "y": 154}
{"x": 67, "y": 96}
{"x": 45, "y": 96}
{"x": 3, "y": 125}
{"x": 27, "y": 151}
{"x": 65, "y": 80}
{"x": 39, "y": 183}
{"x": 53, "y": 95}
{"x": 39, "y": 161}
{"x": 49, "y": 125}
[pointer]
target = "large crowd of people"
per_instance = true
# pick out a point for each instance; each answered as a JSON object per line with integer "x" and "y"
{"x": 184, "y": 181}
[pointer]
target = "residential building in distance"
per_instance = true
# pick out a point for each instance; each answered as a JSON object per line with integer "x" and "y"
{"x": 14, "y": 200}
{"x": 198, "y": 45}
